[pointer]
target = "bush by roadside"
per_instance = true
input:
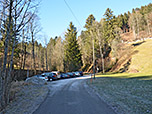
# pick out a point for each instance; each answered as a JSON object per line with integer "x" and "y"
{"x": 26, "y": 96}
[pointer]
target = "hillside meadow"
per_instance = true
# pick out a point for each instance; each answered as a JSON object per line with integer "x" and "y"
{"x": 129, "y": 93}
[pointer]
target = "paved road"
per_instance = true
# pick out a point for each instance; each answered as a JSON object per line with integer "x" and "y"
{"x": 72, "y": 96}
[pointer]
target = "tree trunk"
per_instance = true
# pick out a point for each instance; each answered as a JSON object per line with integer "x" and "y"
{"x": 46, "y": 60}
{"x": 137, "y": 27}
{"x": 9, "y": 78}
{"x": 33, "y": 54}
{"x": 101, "y": 51}
{"x": 5, "y": 89}
{"x": 149, "y": 32}
{"x": 24, "y": 60}
{"x": 134, "y": 32}
{"x": 102, "y": 58}
{"x": 39, "y": 63}
{"x": 93, "y": 59}
{"x": 93, "y": 53}
{"x": 22, "y": 54}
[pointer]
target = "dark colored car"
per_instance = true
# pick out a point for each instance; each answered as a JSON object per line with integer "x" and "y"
{"x": 71, "y": 74}
{"x": 64, "y": 75}
{"x": 50, "y": 76}
{"x": 81, "y": 73}
{"x": 53, "y": 76}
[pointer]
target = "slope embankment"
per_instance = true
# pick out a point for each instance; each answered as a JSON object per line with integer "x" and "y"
{"x": 142, "y": 60}
{"x": 137, "y": 59}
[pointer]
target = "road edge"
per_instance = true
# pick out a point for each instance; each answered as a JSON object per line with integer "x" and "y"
{"x": 91, "y": 89}
{"x": 36, "y": 108}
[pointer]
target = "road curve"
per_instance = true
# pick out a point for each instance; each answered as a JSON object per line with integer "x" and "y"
{"x": 71, "y": 96}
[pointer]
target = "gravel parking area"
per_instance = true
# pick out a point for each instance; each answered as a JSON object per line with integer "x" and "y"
{"x": 126, "y": 96}
{"x": 30, "y": 95}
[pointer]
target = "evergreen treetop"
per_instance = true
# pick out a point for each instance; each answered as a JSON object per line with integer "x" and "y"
{"x": 72, "y": 57}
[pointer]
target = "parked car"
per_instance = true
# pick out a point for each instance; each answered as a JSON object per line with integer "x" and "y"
{"x": 77, "y": 73}
{"x": 64, "y": 75}
{"x": 81, "y": 73}
{"x": 53, "y": 76}
{"x": 50, "y": 76}
{"x": 71, "y": 74}
{"x": 57, "y": 73}
{"x": 41, "y": 77}
{"x": 46, "y": 76}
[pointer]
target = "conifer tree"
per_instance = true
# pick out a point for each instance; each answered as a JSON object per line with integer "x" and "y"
{"x": 89, "y": 21}
{"x": 109, "y": 29}
{"x": 86, "y": 38}
{"x": 72, "y": 57}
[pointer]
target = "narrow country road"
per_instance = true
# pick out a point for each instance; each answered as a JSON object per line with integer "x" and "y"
{"x": 72, "y": 96}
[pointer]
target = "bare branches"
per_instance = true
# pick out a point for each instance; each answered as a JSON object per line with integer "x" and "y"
{"x": 14, "y": 16}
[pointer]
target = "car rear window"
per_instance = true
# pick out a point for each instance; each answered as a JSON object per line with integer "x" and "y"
{"x": 53, "y": 73}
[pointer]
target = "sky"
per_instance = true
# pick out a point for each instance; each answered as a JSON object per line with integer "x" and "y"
{"x": 55, "y": 16}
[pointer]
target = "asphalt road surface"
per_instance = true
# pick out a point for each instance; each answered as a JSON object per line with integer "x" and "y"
{"x": 72, "y": 96}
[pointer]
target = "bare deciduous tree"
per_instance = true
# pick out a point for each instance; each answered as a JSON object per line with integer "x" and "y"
{"x": 34, "y": 29}
{"x": 17, "y": 12}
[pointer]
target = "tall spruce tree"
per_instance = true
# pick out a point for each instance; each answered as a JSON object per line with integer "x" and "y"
{"x": 87, "y": 41}
{"x": 109, "y": 28}
{"x": 72, "y": 56}
{"x": 89, "y": 21}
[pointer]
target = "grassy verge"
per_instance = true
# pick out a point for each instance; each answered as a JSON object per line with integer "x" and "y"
{"x": 126, "y": 93}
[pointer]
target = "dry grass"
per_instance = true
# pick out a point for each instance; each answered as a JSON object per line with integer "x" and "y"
{"x": 142, "y": 61}
{"x": 137, "y": 58}
{"x": 25, "y": 97}
{"x": 128, "y": 36}
{"x": 16, "y": 87}
{"x": 126, "y": 93}
{"x": 130, "y": 93}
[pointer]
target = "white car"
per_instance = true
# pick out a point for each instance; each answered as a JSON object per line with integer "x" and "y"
{"x": 42, "y": 76}
{"x": 57, "y": 73}
{"x": 46, "y": 76}
{"x": 76, "y": 73}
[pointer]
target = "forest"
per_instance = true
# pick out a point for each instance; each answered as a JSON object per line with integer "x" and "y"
{"x": 100, "y": 44}
{"x": 106, "y": 37}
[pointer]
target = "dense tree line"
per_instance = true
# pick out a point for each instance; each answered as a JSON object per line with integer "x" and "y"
{"x": 137, "y": 21}
{"x": 103, "y": 38}
{"x": 96, "y": 41}
{"x": 99, "y": 38}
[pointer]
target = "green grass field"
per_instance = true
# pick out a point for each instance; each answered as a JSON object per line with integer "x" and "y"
{"x": 129, "y": 93}
{"x": 142, "y": 61}
{"x": 125, "y": 93}
{"x": 140, "y": 76}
